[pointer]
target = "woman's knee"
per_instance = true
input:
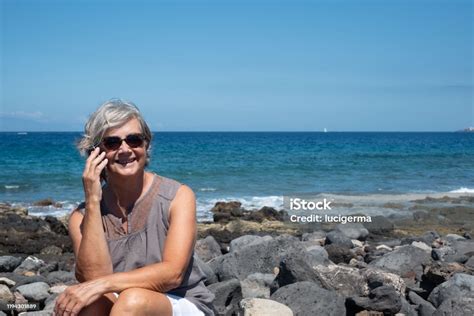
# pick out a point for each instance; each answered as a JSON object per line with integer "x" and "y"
{"x": 136, "y": 301}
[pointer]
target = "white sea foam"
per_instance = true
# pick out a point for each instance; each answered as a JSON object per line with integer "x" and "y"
{"x": 463, "y": 190}
{"x": 11, "y": 187}
{"x": 207, "y": 189}
{"x": 250, "y": 203}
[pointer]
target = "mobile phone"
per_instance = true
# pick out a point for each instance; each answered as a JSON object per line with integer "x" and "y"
{"x": 103, "y": 174}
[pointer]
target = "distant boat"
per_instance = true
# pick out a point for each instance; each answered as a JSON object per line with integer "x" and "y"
{"x": 325, "y": 130}
{"x": 22, "y": 133}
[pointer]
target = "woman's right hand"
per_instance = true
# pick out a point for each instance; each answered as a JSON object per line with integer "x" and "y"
{"x": 95, "y": 163}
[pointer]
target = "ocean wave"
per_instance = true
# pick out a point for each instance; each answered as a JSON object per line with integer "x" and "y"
{"x": 207, "y": 189}
{"x": 11, "y": 187}
{"x": 462, "y": 190}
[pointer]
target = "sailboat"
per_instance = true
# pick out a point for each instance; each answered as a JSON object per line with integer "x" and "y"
{"x": 325, "y": 130}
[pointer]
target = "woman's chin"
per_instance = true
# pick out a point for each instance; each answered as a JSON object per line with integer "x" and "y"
{"x": 127, "y": 170}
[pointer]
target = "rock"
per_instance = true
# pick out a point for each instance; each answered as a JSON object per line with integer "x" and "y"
{"x": 318, "y": 255}
{"x": 61, "y": 277}
{"x": 407, "y": 309}
{"x": 454, "y": 237}
{"x": 51, "y": 250}
{"x": 353, "y": 230}
{"x": 338, "y": 238}
{"x": 376, "y": 278}
{"x": 347, "y": 281}
{"x": 37, "y": 291}
{"x": 243, "y": 241}
{"x": 257, "y": 285}
{"x": 22, "y": 280}
{"x": 427, "y": 238}
{"x": 50, "y": 302}
{"x": 422, "y": 246}
{"x": 7, "y": 282}
{"x": 207, "y": 248}
{"x": 380, "y": 225}
{"x": 383, "y": 247}
{"x": 383, "y": 299}
{"x": 404, "y": 261}
{"x": 307, "y": 298}
{"x": 339, "y": 254}
{"x": 226, "y": 207}
{"x": 6, "y": 295}
{"x": 457, "y": 251}
{"x": 228, "y": 295}
{"x": 294, "y": 267}
{"x": 460, "y": 285}
{"x": 316, "y": 237}
{"x": 57, "y": 289}
{"x": 440, "y": 272}
{"x": 470, "y": 263}
{"x": 261, "y": 257}
{"x": 456, "y": 306}
{"x": 57, "y": 226}
{"x": 357, "y": 243}
{"x": 424, "y": 307}
{"x": 263, "y": 307}
{"x": 49, "y": 267}
{"x": 9, "y": 263}
{"x": 31, "y": 263}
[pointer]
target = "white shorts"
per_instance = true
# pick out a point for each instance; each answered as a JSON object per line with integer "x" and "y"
{"x": 181, "y": 306}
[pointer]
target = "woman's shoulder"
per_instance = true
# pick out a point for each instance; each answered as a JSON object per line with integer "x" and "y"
{"x": 168, "y": 187}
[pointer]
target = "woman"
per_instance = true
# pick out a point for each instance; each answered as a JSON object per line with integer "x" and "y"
{"x": 134, "y": 236}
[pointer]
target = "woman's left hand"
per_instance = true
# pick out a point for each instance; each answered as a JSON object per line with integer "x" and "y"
{"x": 76, "y": 297}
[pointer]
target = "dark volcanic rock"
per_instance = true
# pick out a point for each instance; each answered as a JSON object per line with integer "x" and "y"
{"x": 207, "y": 248}
{"x": 9, "y": 263}
{"x": 425, "y": 308}
{"x": 353, "y": 230}
{"x": 404, "y": 261}
{"x": 20, "y": 233}
{"x": 227, "y": 211}
{"x": 460, "y": 285}
{"x": 228, "y": 295}
{"x": 260, "y": 257}
{"x": 383, "y": 299}
{"x": 338, "y": 238}
{"x": 294, "y": 268}
{"x": 307, "y": 298}
{"x": 380, "y": 225}
{"x": 456, "y": 306}
{"x": 339, "y": 254}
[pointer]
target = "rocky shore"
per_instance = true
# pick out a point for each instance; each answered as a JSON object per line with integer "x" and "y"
{"x": 257, "y": 262}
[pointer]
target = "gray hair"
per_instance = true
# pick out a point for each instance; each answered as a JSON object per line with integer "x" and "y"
{"x": 112, "y": 113}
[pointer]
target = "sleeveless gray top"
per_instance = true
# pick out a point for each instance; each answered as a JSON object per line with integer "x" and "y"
{"x": 144, "y": 244}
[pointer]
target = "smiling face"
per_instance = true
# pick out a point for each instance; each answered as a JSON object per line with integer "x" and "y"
{"x": 126, "y": 160}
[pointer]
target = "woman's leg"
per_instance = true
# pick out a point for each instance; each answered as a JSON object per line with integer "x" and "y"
{"x": 136, "y": 301}
{"x": 100, "y": 307}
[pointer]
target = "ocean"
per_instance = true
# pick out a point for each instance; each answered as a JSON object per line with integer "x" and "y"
{"x": 256, "y": 168}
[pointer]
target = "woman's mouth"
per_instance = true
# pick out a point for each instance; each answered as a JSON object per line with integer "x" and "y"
{"x": 124, "y": 162}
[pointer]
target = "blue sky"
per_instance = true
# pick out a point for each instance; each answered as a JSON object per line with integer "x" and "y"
{"x": 240, "y": 65}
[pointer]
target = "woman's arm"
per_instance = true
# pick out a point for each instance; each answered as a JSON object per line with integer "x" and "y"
{"x": 90, "y": 246}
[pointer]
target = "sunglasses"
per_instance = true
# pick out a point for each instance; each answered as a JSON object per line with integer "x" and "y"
{"x": 114, "y": 142}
